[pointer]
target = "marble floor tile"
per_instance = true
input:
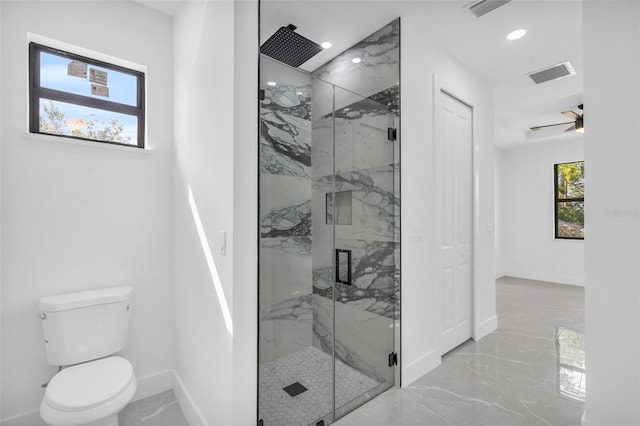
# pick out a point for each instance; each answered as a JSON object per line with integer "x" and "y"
{"x": 157, "y": 410}
{"x": 530, "y": 371}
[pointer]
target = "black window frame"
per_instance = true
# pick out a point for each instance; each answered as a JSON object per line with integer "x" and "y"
{"x": 37, "y": 92}
{"x": 558, "y": 200}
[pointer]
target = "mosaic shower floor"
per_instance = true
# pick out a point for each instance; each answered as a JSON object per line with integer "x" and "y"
{"x": 312, "y": 368}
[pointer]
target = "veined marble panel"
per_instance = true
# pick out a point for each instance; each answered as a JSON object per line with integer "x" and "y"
{"x": 285, "y": 269}
{"x": 378, "y": 70}
{"x": 375, "y": 205}
{"x": 375, "y": 277}
{"x": 286, "y": 328}
{"x": 288, "y": 222}
{"x": 285, "y": 206}
{"x": 363, "y": 340}
{"x": 361, "y": 140}
{"x": 285, "y": 134}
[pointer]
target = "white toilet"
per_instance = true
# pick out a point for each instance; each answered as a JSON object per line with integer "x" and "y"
{"x": 82, "y": 332}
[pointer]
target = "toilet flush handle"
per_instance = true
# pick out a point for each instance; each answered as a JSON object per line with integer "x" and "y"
{"x": 42, "y": 316}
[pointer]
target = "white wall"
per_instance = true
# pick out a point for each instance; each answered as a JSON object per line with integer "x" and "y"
{"x": 612, "y": 247}
{"x": 216, "y": 155}
{"x": 78, "y": 216}
{"x": 528, "y": 245}
{"x": 421, "y": 311}
{"x": 245, "y": 212}
{"x": 204, "y": 348}
{"x": 204, "y": 164}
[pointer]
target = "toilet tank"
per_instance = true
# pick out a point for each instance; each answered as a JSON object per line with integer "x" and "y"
{"x": 86, "y": 325}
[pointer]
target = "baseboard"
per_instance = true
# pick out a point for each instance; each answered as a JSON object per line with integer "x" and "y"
{"x": 27, "y": 419}
{"x": 189, "y": 407}
{"x": 552, "y": 278}
{"x": 153, "y": 384}
{"x": 414, "y": 370}
{"x": 485, "y": 327}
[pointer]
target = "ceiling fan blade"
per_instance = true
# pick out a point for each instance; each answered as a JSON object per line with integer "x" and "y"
{"x": 534, "y": 128}
{"x": 571, "y": 114}
{"x": 571, "y": 129}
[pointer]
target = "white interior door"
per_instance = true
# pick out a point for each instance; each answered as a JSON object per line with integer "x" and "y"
{"x": 454, "y": 218}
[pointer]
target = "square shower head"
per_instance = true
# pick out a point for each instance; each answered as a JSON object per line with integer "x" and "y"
{"x": 289, "y": 47}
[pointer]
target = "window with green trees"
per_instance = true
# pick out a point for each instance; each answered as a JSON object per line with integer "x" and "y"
{"x": 84, "y": 98}
{"x": 569, "y": 200}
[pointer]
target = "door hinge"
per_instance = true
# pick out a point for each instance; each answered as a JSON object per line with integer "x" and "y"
{"x": 392, "y": 134}
{"x": 261, "y": 94}
{"x": 393, "y": 359}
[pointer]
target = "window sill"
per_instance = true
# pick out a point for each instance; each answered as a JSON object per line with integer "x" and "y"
{"x": 71, "y": 141}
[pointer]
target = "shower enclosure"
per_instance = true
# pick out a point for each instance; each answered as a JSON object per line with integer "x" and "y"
{"x": 329, "y": 282}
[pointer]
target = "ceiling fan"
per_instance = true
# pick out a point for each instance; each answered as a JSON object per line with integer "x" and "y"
{"x": 577, "y": 125}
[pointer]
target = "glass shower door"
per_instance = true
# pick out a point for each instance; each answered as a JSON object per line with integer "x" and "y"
{"x": 329, "y": 247}
{"x": 365, "y": 213}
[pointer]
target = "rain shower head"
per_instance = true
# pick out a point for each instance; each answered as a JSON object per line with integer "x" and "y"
{"x": 289, "y": 47}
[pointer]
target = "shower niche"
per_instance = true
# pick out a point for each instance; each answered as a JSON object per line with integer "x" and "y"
{"x": 329, "y": 284}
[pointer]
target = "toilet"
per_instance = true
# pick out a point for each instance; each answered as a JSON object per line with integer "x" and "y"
{"x": 82, "y": 333}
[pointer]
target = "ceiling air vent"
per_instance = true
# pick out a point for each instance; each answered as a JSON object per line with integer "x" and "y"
{"x": 483, "y": 7}
{"x": 553, "y": 73}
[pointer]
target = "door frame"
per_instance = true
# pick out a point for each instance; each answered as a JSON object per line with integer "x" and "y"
{"x": 438, "y": 91}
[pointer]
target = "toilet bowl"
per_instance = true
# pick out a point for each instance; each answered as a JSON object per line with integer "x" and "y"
{"x": 89, "y": 394}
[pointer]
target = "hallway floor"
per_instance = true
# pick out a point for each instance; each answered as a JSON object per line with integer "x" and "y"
{"x": 528, "y": 372}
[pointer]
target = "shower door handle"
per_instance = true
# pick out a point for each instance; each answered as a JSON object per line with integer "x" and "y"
{"x": 342, "y": 257}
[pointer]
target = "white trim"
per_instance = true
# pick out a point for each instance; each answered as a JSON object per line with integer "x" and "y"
{"x": 189, "y": 408}
{"x": 485, "y": 327}
{"x": 414, "y": 370}
{"x": 40, "y": 137}
{"x": 28, "y": 419}
{"x": 577, "y": 280}
{"x": 83, "y": 51}
{"x": 153, "y": 384}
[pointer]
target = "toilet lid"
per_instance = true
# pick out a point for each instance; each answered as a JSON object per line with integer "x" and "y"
{"x": 84, "y": 385}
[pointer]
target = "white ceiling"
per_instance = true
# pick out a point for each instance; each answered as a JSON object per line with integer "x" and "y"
{"x": 554, "y": 36}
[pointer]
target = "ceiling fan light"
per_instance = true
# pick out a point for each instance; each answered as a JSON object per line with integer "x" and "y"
{"x": 580, "y": 126}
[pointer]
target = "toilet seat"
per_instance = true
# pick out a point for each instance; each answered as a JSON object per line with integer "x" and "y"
{"x": 88, "y": 392}
{"x": 87, "y": 385}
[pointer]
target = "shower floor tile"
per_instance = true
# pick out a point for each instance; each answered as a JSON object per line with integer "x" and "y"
{"x": 313, "y": 369}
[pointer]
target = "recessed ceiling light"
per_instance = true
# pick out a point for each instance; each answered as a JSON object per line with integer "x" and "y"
{"x": 356, "y": 60}
{"x": 514, "y": 35}
{"x": 326, "y": 45}
{"x": 271, "y": 83}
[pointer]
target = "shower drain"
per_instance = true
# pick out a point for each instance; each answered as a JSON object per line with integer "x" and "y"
{"x": 294, "y": 389}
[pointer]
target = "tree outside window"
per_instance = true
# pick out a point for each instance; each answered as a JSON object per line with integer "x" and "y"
{"x": 569, "y": 200}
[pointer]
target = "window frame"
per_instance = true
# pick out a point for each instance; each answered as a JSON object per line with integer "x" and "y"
{"x": 37, "y": 92}
{"x": 558, "y": 200}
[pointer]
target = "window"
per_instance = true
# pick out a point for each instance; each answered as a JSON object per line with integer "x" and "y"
{"x": 569, "y": 200}
{"x": 82, "y": 98}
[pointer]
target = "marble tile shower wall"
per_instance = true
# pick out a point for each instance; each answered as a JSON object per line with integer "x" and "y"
{"x": 285, "y": 221}
{"x": 367, "y": 167}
